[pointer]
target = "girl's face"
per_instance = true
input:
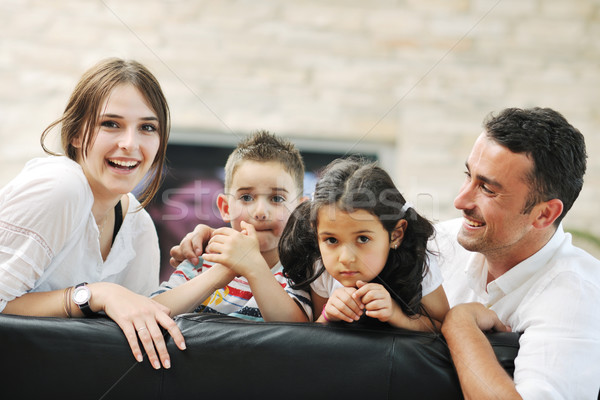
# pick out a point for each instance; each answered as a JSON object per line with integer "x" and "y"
{"x": 124, "y": 145}
{"x": 354, "y": 246}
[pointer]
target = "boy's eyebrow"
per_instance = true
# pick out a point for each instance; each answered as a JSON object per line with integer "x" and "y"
{"x": 485, "y": 179}
{"x": 274, "y": 189}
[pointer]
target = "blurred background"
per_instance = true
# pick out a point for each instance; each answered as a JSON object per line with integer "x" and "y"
{"x": 405, "y": 82}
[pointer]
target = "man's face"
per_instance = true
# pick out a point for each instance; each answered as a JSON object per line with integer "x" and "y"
{"x": 492, "y": 198}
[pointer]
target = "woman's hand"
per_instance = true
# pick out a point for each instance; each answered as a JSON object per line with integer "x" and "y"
{"x": 377, "y": 300}
{"x": 343, "y": 306}
{"x": 191, "y": 246}
{"x": 138, "y": 316}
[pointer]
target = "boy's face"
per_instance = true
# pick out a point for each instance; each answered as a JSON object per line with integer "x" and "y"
{"x": 262, "y": 194}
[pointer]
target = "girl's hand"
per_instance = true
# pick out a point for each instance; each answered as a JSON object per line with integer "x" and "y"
{"x": 343, "y": 306}
{"x": 137, "y": 316}
{"x": 377, "y": 300}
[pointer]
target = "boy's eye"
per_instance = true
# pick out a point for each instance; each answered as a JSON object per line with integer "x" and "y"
{"x": 246, "y": 197}
{"x": 362, "y": 239}
{"x": 278, "y": 199}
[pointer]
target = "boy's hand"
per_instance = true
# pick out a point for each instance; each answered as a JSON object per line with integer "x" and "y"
{"x": 191, "y": 246}
{"x": 377, "y": 300}
{"x": 343, "y": 306}
{"x": 238, "y": 251}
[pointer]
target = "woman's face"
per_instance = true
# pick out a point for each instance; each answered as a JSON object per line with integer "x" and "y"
{"x": 124, "y": 145}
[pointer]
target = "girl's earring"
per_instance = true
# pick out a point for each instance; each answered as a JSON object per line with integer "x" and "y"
{"x": 396, "y": 246}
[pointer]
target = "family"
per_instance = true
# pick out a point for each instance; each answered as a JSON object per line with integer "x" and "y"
{"x": 74, "y": 241}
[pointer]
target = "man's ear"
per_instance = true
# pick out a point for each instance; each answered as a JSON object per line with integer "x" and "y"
{"x": 547, "y": 212}
{"x": 398, "y": 234}
{"x": 223, "y": 206}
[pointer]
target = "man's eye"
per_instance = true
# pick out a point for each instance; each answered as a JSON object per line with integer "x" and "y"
{"x": 485, "y": 189}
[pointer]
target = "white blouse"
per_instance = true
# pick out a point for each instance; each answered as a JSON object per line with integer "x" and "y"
{"x": 326, "y": 284}
{"x": 49, "y": 237}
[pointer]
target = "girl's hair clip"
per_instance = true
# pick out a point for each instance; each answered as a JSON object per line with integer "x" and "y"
{"x": 405, "y": 208}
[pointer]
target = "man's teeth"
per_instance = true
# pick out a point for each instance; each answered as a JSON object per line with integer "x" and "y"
{"x": 473, "y": 223}
{"x": 126, "y": 164}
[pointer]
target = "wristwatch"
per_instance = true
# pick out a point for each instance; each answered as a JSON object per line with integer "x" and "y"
{"x": 81, "y": 297}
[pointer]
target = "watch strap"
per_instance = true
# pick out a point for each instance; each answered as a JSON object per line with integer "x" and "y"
{"x": 85, "y": 307}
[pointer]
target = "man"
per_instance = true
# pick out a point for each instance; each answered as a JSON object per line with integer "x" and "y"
{"x": 508, "y": 264}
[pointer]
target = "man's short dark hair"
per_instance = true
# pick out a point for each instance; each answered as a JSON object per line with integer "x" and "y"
{"x": 556, "y": 148}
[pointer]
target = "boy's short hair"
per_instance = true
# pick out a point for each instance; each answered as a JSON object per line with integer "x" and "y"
{"x": 263, "y": 146}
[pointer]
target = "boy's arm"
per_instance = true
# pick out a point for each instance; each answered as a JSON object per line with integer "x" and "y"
{"x": 191, "y": 294}
{"x": 241, "y": 253}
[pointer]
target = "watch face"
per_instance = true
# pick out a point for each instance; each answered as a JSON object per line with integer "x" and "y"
{"x": 81, "y": 295}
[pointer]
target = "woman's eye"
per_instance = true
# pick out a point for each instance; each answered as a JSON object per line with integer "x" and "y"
{"x": 362, "y": 239}
{"x": 246, "y": 197}
{"x": 149, "y": 128}
{"x": 109, "y": 124}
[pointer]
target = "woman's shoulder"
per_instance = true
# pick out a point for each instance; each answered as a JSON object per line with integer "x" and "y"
{"x": 51, "y": 181}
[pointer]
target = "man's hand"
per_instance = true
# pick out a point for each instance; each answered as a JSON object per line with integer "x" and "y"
{"x": 191, "y": 246}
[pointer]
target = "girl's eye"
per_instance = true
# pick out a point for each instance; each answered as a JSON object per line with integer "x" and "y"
{"x": 109, "y": 124}
{"x": 246, "y": 197}
{"x": 149, "y": 128}
{"x": 278, "y": 199}
{"x": 330, "y": 240}
{"x": 362, "y": 239}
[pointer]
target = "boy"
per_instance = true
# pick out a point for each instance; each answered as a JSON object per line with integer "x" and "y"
{"x": 240, "y": 273}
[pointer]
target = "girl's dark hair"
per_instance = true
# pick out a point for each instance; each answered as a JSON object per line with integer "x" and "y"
{"x": 353, "y": 184}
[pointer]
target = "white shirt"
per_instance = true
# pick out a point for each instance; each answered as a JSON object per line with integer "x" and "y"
{"x": 49, "y": 238}
{"x": 553, "y": 298}
{"x": 326, "y": 284}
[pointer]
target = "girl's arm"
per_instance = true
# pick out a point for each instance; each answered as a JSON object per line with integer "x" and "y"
{"x": 378, "y": 304}
{"x": 135, "y": 314}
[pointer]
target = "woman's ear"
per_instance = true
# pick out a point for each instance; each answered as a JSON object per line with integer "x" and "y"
{"x": 223, "y": 206}
{"x": 76, "y": 142}
{"x": 398, "y": 234}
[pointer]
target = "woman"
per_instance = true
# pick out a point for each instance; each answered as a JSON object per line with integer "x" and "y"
{"x": 67, "y": 221}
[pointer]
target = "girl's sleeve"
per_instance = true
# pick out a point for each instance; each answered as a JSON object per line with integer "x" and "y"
{"x": 39, "y": 210}
{"x": 432, "y": 279}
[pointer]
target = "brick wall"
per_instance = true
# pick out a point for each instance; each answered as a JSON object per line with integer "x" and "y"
{"x": 415, "y": 76}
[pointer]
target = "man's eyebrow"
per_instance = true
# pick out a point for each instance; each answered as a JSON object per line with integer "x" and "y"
{"x": 485, "y": 179}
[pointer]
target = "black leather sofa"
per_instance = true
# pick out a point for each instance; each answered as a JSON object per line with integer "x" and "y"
{"x": 230, "y": 358}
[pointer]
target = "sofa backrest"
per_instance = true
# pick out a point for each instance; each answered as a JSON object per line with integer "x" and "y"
{"x": 229, "y": 357}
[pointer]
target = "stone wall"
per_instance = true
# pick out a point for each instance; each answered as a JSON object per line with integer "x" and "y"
{"x": 414, "y": 76}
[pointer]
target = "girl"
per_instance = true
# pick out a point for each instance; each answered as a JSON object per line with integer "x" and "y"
{"x": 362, "y": 250}
{"x": 69, "y": 220}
